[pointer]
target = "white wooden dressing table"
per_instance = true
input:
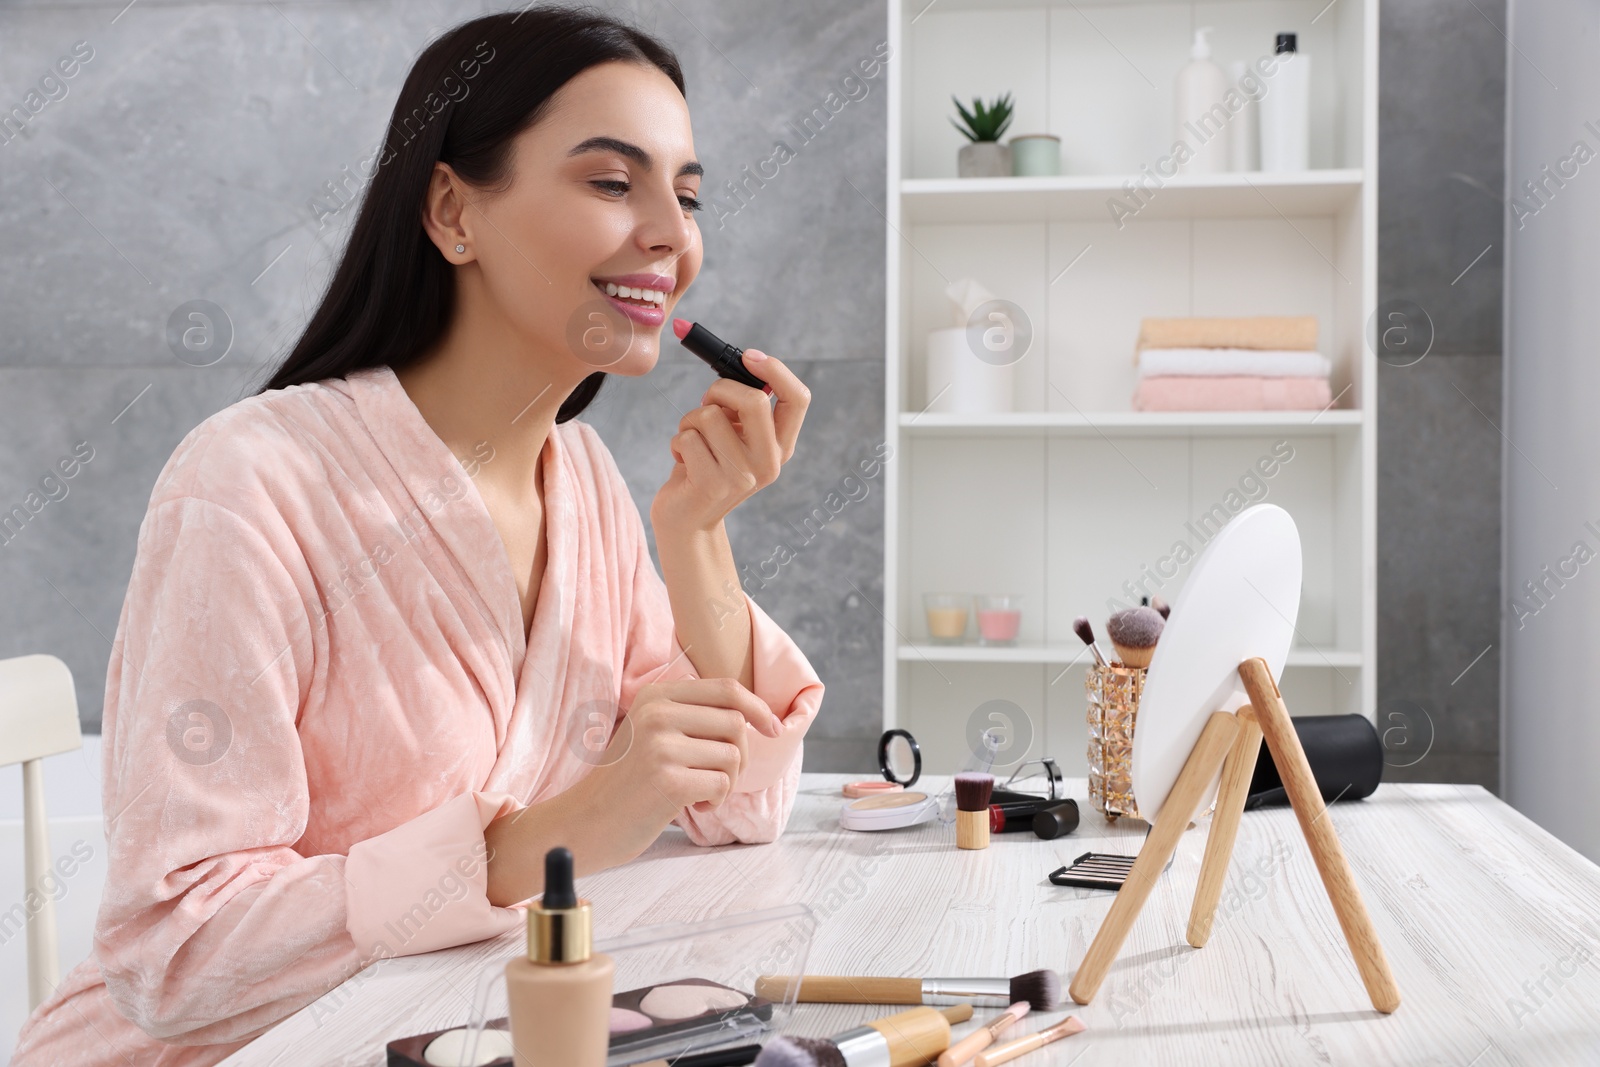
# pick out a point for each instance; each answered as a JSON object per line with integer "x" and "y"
{"x": 1491, "y": 925}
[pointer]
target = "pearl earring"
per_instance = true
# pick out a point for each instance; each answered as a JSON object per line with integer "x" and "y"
{"x": 461, "y": 248}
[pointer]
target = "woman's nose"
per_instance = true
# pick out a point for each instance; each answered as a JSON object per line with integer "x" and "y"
{"x": 667, "y": 228}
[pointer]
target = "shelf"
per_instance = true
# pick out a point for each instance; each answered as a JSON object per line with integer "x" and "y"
{"x": 1237, "y": 195}
{"x": 920, "y": 7}
{"x": 1077, "y": 653}
{"x": 991, "y": 501}
{"x": 1131, "y": 423}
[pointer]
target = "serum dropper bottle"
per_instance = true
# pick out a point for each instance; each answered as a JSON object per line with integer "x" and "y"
{"x": 559, "y": 996}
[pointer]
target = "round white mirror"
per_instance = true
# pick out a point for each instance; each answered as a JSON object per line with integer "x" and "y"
{"x": 1240, "y": 601}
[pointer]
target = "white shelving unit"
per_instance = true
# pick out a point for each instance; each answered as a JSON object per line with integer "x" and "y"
{"x": 1074, "y": 494}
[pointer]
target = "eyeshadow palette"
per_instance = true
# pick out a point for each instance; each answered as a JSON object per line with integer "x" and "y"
{"x": 412, "y": 1051}
{"x": 1095, "y": 870}
{"x": 641, "y": 1018}
{"x": 691, "y": 1010}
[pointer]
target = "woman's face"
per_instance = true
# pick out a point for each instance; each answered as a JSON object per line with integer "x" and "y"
{"x": 598, "y": 206}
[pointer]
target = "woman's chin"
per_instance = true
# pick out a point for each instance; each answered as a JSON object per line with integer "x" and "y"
{"x": 640, "y": 360}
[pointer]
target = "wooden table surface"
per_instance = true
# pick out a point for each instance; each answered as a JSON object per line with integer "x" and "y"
{"x": 1491, "y": 925}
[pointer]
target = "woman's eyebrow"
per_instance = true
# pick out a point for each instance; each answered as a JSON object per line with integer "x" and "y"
{"x": 632, "y": 151}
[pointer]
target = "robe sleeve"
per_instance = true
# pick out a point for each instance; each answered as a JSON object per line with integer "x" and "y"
{"x": 212, "y": 926}
{"x": 763, "y": 797}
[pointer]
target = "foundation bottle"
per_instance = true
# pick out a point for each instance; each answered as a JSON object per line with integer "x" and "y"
{"x": 559, "y": 996}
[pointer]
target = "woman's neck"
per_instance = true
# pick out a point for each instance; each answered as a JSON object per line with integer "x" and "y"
{"x": 481, "y": 383}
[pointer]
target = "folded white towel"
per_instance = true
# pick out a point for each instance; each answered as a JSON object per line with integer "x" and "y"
{"x": 1232, "y": 362}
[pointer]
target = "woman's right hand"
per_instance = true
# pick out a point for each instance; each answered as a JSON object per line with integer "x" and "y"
{"x": 682, "y": 744}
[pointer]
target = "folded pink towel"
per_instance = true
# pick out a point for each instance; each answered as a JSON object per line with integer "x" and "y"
{"x": 1221, "y": 393}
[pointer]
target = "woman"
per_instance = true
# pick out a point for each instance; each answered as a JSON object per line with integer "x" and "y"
{"x": 361, "y": 685}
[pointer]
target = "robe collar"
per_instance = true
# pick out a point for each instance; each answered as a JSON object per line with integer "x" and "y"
{"x": 449, "y": 502}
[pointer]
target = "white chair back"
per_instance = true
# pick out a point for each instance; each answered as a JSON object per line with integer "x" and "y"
{"x": 38, "y": 718}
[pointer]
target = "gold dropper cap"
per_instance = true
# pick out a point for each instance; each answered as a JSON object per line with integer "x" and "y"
{"x": 560, "y": 935}
{"x": 559, "y": 926}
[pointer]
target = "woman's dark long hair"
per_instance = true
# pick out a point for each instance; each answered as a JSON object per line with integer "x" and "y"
{"x": 469, "y": 94}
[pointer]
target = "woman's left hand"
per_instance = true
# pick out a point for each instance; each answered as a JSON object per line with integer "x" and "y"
{"x": 732, "y": 446}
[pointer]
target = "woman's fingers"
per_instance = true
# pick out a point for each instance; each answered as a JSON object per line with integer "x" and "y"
{"x": 687, "y": 785}
{"x": 708, "y": 789}
{"x": 690, "y": 448}
{"x": 721, "y": 693}
{"x": 732, "y": 453}
{"x": 716, "y": 726}
{"x": 756, "y": 426}
{"x": 705, "y": 771}
{"x": 710, "y": 754}
{"x": 792, "y": 394}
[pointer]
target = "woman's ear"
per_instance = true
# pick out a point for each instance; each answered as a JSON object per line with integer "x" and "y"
{"x": 444, "y": 215}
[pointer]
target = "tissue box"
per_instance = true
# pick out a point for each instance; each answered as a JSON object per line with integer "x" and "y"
{"x": 958, "y": 382}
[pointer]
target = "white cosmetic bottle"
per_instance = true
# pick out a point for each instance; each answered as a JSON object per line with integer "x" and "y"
{"x": 1203, "y": 120}
{"x": 1242, "y": 139}
{"x": 1286, "y": 110}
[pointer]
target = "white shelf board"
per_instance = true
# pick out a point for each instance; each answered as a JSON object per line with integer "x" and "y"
{"x": 1077, "y": 653}
{"x": 1131, "y": 423}
{"x": 1235, "y": 195}
{"x": 918, "y": 8}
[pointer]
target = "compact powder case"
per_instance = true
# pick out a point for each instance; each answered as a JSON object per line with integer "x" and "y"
{"x": 857, "y": 790}
{"x": 900, "y": 760}
{"x": 889, "y": 811}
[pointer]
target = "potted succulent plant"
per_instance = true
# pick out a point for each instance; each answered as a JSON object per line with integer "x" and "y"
{"x": 985, "y": 156}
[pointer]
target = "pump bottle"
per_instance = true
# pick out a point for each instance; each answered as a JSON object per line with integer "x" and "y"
{"x": 1203, "y": 119}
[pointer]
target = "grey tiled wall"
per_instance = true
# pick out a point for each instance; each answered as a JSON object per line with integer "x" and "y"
{"x": 1441, "y": 145}
{"x": 181, "y": 163}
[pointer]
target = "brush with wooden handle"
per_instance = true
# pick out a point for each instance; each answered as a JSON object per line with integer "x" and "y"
{"x": 1041, "y": 989}
{"x": 1012, "y": 1049}
{"x": 906, "y": 1039}
{"x": 1134, "y": 633}
{"x": 962, "y": 1051}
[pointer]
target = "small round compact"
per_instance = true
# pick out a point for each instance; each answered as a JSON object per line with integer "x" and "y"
{"x": 857, "y": 790}
{"x": 900, "y": 761}
{"x": 889, "y": 811}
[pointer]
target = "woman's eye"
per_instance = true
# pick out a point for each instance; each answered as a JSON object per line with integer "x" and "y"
{"x": 618, "y": 187}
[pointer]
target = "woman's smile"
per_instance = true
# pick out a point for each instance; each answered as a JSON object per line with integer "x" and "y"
{"x": 641, "y": 297}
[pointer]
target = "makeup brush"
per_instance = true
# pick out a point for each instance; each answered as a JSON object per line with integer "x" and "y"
{"x": 1085, "y": 632}
{"x": 975, "y": 1042}
{"x": 1012, "y": 1049}
{"x": 722, "y": 1057}
{"x": 1161, "y": 606}
{"x": 973, "y": 790}
{"x": 1041, "y": 989}
{"x": 1133, "y": 633}
{"x": 906, "y": 1039}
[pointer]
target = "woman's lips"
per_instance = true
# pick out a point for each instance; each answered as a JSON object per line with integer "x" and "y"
{"x": 647, "y": 316}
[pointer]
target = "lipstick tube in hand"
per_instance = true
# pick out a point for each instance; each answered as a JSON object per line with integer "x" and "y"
{"x": 727, "y": 360}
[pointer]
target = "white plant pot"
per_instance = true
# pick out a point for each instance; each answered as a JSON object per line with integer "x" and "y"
{"x": 984, "y": 159}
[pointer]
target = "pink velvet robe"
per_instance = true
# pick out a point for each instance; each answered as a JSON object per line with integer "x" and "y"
{"x": 320, "y": 694}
